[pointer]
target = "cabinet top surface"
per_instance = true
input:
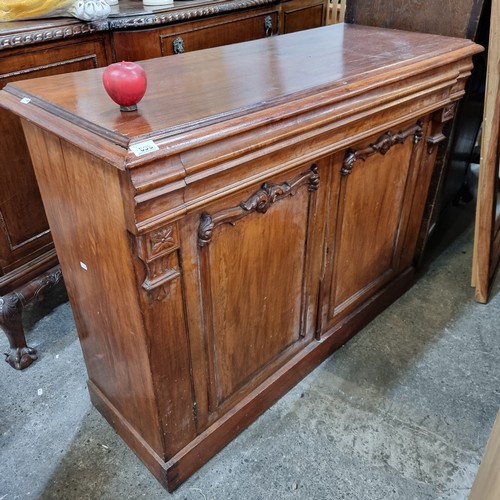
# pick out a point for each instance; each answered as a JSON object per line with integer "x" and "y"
{"x": 192, "y": 90}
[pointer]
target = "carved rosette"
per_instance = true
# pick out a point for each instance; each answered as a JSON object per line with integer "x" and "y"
{"x": 162, "y": 240}
{"x": 382, "y": 145}
{"x": 158, "y": 251}
{"x": 259, "y": 202}
{"x": 448, "y": 112}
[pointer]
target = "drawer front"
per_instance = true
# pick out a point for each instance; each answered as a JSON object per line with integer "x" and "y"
{"x": 195, "y": 35}
{"x": 224, "y": 32}
{"x": 298, "y": 16}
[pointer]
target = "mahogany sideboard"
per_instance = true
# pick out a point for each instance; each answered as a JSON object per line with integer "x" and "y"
{"x": 262, "y": 205}
{"x": 28, "y": 262}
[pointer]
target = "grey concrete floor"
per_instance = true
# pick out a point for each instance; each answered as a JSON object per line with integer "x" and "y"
{"x": 403, "y": 411}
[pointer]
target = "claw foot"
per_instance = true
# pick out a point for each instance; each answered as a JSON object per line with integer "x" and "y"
{"x": 20, "y": 357}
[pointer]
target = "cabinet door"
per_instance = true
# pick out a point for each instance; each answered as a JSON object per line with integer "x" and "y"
{"x": 374, "y": 222}
{"x": 195, "y": 35}
{"x": 251, "y": 269}
{"x": 24, "y": 231}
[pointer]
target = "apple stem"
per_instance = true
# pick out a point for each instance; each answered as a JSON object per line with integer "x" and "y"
{"x": 129, "y": 108}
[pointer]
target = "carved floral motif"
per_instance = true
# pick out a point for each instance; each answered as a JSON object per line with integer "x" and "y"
{"x": 448, "y": 112}
{"x": 259, "y": 202}
{"x": 157, "y": 250}
{"x": 161, "y": 240}
{"x": 383, "y": 144}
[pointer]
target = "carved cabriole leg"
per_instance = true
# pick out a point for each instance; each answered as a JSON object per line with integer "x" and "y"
{"x": 20, "y": 355}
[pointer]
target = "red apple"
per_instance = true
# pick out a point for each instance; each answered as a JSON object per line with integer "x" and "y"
{"x": 125, "y": 82}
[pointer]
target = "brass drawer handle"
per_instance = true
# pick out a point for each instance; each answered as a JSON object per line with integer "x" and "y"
{"x": 268, "y": 25}
{"x": 178, "y": 45}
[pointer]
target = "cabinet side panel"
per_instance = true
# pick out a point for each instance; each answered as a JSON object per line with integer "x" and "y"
{"x": 85, "y": 211}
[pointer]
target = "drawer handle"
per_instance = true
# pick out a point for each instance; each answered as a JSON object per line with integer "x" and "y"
{"x": 268, "y": 25}
{"x": 381, "y": 146}
{"x": 260, "y": 202}
{"x": 178, "y": 45}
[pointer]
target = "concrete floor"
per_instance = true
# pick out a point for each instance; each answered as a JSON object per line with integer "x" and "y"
{"x": 403, "y": 411}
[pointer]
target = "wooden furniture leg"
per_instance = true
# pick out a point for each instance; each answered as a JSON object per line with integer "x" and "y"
{"x": 20, "y": 355}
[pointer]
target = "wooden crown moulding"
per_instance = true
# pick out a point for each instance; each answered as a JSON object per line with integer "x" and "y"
{"x": 187, "y": 14}
{"x": 9, "y": 40}
{"x": 324, "y": 107}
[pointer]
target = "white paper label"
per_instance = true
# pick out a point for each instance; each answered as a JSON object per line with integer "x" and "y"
{"x": 142, "y": 148}
{"x": 25, "y": 100}
{"x": 83, "y": 265}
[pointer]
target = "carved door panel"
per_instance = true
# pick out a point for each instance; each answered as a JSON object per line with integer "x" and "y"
{"x": 251, "y": 264}
{"x": 24, "y": 231}
{"x": 371, "y": 233}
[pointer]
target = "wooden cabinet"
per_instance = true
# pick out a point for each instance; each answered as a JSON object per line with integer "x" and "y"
{"x": 216, "y": 251}
{"x": 26, "y": 249}
{"x": 24, "y": 230}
